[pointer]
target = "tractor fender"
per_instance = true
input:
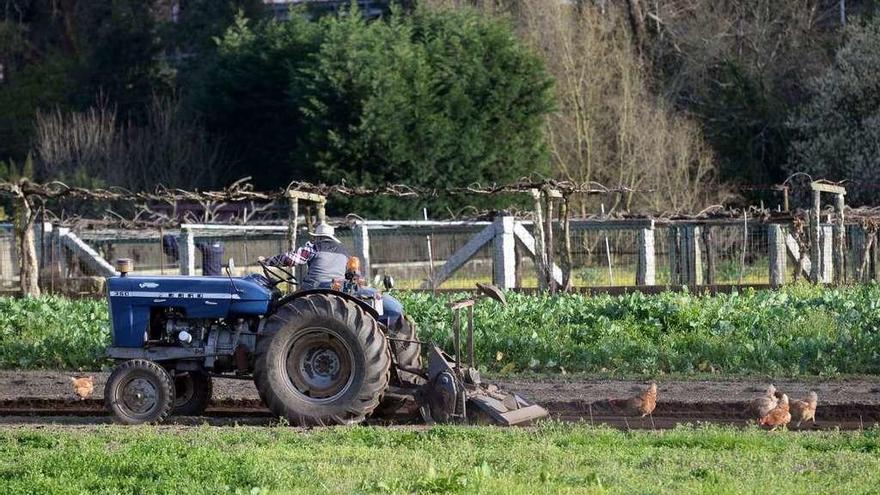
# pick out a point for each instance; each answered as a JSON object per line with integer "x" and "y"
{"x": 296, "y": 295}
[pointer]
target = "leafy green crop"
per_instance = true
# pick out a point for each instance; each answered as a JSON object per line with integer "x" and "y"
{"x": 793, "y": 331}
{"x": 799, "y": 330}
{"x": 53, "y": 332}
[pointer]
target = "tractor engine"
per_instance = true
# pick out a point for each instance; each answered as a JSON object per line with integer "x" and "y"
{"x": 227, "y": 344}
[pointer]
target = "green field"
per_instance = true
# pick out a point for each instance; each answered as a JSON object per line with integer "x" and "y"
{"x": 553, "y": 458}
{"x": 796, "y": 331}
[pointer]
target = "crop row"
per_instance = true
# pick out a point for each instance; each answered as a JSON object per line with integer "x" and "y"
{"x": 799, "y": 330}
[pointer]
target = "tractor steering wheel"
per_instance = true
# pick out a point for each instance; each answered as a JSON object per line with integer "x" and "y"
{"x": 271, "y": 274}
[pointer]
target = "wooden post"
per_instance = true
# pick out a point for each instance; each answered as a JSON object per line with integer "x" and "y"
{"x": 550, "y": 245}
{"x": 815, "y": 234}
{"x": 673, "y": 243}
{"x": 646, "y": 272}
{"x": 826, "y": 254}
{"x": 839, "y": 241}
{"x": 504, "y": 253}
{"x": 362, "y": 247}
{"x": 864, "y": 261}
{"x": 565, "y": 213}
{"x": 187, "y": 248}
{"x": 692, "y": 256}
{"x": 710, "y": 256}
{"x": 292, "y": 223}
{"x": 540, "y": 252}
{"x": 322, "y": 212}
{"x": 875, "y": 257}
{"x": 24, "y": 225}
{"x": 778, "y": 255}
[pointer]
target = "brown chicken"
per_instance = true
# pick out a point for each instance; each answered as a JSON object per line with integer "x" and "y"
{"x": 762, "y": 406}
{"x": 83, "y": 386}
{"x": 640, "y": 405}
{"x": 804, "y": 410}
{"x": 778, "y": 416}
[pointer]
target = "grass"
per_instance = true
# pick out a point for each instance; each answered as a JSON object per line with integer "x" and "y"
{"x": 553, "y": 458}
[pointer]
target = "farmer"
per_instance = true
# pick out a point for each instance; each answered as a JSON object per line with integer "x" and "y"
{"x": 326, "y": 258}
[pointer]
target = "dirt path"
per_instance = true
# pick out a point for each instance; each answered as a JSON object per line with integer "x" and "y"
{"x": 44, "y": 397}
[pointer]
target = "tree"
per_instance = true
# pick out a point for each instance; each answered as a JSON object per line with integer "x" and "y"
{"x": 739, "y": 67}
{"x": 435, "y": 98}
{"x": 246, "y": 95}
{"x": 439, "y": 98}
{"x": 609, "y": 127}
{"x": 838, "y": 130}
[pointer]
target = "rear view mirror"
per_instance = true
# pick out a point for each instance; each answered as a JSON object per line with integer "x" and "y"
{"x": 388, "y": 282}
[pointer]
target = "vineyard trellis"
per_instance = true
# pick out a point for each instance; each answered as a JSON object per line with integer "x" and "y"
{"x": 546, "y": 233}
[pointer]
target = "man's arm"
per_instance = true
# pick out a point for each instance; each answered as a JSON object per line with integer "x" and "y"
{"x": 299, "y": 256}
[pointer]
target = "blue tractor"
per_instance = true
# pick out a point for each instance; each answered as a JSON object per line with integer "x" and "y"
{"x": 317, "y": 357}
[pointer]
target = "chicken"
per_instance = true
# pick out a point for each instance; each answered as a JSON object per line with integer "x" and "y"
{"x": 761, "y": 406}
{"x": 83, "y": 386}
{"x": 778, "y": 416}
{"x": 640, "y": 405}
{"x": 804, "y": 410}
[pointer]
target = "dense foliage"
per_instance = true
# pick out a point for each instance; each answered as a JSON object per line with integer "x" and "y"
{"x": 667, "y": 97}
{"x": 423, "y": 97}
{"x": 551, "y": 458}
{"x": 53, "y": 332}
{"x": 800, "y": 330}
{"x": 838, "y": 131}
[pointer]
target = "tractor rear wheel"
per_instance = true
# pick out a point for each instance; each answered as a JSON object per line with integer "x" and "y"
{"x": 139, "y": 391}
{"x": 192, "y": 393}
{"x": 321, "y": 359}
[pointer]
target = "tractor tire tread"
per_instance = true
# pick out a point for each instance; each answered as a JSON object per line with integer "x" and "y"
{"x": 166, "y": 383}
{"x": 364, "y": 329}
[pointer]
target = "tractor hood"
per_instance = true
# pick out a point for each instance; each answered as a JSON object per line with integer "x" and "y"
{"x": 132, "y": 297}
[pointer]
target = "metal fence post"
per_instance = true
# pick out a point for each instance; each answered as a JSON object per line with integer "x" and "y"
{"x": 778, "y": 255}
{"x": 504, "y": 253}
{"x": 646, "y": 272}
{"x": 362, "y": 246}
{"x": 187, "y": 248}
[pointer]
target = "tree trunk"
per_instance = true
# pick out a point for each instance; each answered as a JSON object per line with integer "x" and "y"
{"x": 638, "y": 24}
{"x": 29, "y": 268}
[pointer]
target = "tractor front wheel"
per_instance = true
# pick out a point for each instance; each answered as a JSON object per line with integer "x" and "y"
{"x": 192, "y": 393}
{"x": 139, "y": 391}
{"x": 321, "y": 360}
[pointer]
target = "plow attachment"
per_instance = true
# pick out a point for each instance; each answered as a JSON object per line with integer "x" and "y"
{"x": 453, "y": 392}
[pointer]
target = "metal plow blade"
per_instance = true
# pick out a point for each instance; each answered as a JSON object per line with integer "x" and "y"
{"x": 512, "y": 410}
{"x": 456, "y": 393}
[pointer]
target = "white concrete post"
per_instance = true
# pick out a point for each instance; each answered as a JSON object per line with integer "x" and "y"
{"x": 504, "y": 253}
{"x": 187, "y": 249}
{"x": 362, "y": 247}
{"x": 778, "y": 255}
{"x": 646, "y": 272}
